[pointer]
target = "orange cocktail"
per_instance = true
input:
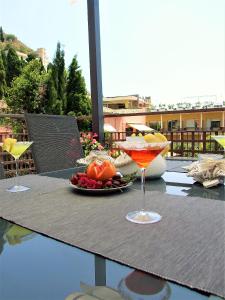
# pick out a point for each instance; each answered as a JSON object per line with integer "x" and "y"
{"x": 143, "y": 157}
{"x": 142, "y": 153}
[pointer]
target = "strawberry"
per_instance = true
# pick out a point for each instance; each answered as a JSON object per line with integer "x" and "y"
{"x": 74, "y": 180}
{"x": 92, "y": 186}
{"x": 79, "y": 174}
{"x": 82, "y": 182}
{"x": 99, "y": 184}
{"x": 108, "y": 183}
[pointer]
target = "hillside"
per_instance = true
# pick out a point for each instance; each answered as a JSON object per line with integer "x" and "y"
{"x": 12, "y": 40}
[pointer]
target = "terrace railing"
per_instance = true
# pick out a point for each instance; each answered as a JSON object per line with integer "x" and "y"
{"x": 190, "y": 143}
{"x": 184, "y": 143}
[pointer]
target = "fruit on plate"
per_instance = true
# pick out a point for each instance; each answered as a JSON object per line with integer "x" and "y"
{"x": 101, "y": 170}
{"x": 83, "y": 181}
{"x": 157, "y": 137}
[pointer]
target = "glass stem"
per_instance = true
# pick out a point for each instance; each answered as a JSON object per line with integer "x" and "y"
{"x": 16, "y": 177}
{"x": 143, "y": 188}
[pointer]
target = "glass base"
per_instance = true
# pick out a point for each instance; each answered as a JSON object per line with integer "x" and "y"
{"x": 143, "y": 217}
{"x": 17, "y": 188}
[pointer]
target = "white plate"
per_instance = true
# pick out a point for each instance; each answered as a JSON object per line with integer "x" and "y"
{"x": 101, "y": 191}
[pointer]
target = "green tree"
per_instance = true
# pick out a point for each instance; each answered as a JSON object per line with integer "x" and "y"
{"x": 53, "y": 104}
{"x": 58, "y": 74}
{"x": 10, "y": 37}
{"x": 2, "y": 77}
{"x": 28, "y": 91}
{"x": 4, "y": 59}
{"x": 23, "y": 63}
{"x": 2, "y": 39}
{"x": 78, "y": 101}
{"x": 31, "y": 56}
{"x": 14, "y": 66}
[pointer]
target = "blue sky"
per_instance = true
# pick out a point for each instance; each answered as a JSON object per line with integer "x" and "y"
{"x": 167, "y": 49}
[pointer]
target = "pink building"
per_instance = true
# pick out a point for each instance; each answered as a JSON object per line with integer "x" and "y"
{"x": 122, "y": 123}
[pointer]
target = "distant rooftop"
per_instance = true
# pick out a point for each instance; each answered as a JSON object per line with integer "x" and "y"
{"x": 188, "y": 106}
{"x": 121, "y": 111}
{"x": 134, "y": 97}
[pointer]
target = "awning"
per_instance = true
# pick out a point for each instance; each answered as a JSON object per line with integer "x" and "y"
{"x": 140, "y": 127}
{"x": 109, "y": 128}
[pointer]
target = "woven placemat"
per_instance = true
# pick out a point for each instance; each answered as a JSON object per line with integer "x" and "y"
{"x": 187, "y": 246}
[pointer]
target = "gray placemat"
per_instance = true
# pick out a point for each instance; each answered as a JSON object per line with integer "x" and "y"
{"x": 187, "y": 246}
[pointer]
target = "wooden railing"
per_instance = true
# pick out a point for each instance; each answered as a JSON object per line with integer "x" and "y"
{"x": 190, "y": 143}
{"x": 184, "y": 143}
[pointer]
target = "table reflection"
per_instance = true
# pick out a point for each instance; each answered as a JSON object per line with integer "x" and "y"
{"x": 139, "y": 285}
{"x": 4, "y": 226}
{"x": 13, "y": 234}
{"x": 158, "y": 185}
{"x": 197, "y": 190}
{"x": 194, "y": 189}
{"x": 79, "y": 273}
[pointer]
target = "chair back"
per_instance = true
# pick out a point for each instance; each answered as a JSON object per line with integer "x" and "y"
{"x": 56, "y": 141}
{"x": 2, "y": 172}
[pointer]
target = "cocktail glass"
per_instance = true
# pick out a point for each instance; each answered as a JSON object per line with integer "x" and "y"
{"x": 16, "y": 151}
{"x": 142, "y": 153}
{"x": 220, "y": 139}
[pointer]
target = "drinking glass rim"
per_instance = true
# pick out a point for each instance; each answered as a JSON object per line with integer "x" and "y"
{"x": 21, "y": 142}
{"x": 24, "y": 142}
{"x": 143, "y": 146}
{"x": 163, "y": 142}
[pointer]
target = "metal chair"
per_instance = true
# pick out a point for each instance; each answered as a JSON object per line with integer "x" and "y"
{"x": 56, "y": 141}
{"x": 2, "y": 172}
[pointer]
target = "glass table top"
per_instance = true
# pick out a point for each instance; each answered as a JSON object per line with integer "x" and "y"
{"x": 34, "y": 267}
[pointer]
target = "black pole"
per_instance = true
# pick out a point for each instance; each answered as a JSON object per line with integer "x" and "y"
{"x": 100, "y": 271}
{"x": 97, "y": 101}
{"x": 95, "y": 68}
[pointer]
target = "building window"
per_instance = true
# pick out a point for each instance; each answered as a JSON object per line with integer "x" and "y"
{"x": 121, "y": 105}
{"x": 116, "y": 105}
{"x": 173, "y": 124}
{"x": 215, "y": 125}
{"x": 191, "y": 124}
